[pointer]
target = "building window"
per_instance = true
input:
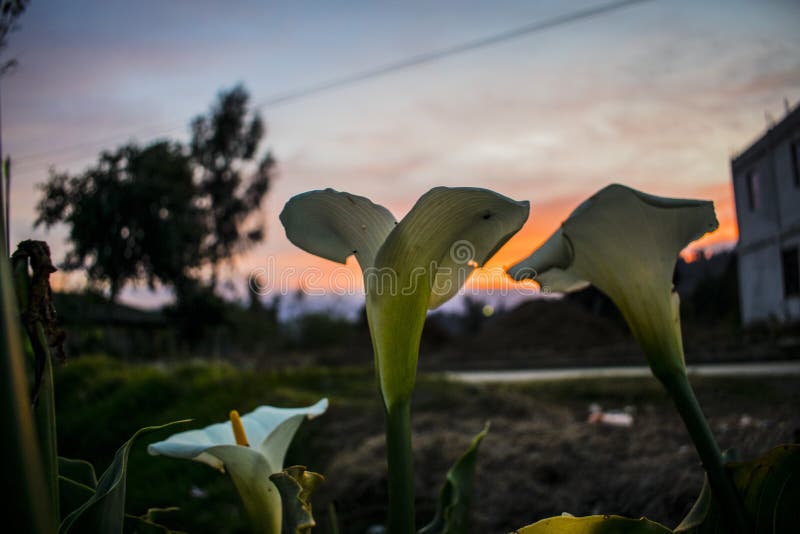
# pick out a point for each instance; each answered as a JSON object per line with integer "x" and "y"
{"x": 753, "y": 191}
{"x": 791, "y": 272}
{"x": 796, "y": 162}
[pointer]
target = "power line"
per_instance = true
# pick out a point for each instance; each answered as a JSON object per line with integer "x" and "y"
{"x": 29, "y": 160}
{"x": 449, "y": 51}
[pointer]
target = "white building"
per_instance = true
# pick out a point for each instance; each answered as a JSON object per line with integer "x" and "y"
{"x": 766, "y": 184}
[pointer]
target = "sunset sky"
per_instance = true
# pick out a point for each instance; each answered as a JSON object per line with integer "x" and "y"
{"x": 656, "y": 95}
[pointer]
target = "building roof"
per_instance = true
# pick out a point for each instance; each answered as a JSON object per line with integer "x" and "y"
{"x": 775, "y": 133}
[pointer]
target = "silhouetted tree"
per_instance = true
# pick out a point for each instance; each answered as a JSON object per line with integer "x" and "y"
{"x": 10, "y": 11}
{"x": 162, "y": 212}
{"x": 132, "y": 216}
{"x": 225, "y": 143}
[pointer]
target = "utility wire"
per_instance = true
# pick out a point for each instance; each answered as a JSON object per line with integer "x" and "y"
{"x": 449, "y": 51}
{"x": 28, "y": 160}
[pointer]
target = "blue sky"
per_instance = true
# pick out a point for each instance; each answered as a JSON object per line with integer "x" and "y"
{"x": 657, "y": 95}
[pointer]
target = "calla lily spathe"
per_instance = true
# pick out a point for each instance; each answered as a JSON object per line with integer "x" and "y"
{"x": 269, "y": 431}
{"x": 408, "y": 267}
{"x": 626, "y": 243}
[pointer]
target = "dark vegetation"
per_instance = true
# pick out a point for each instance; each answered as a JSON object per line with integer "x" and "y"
{"x": 163, "y": 212}
{"x": 541, "y": 457}
{"x": 10, "y": 12}
{"x": 536, "y": 333}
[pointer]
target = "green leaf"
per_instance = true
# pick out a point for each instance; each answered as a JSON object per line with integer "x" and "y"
{"x": 452, "y": 511}
{"x": 45, "y": 417}
{"x": 296, "y": 485}
{"x": 148, "y": 522}
{"x": 72, "y": 494}
{"x": 77, "y": 470}
{"x": 76, "y": 482}
{"x": 32, "y": 269}
{"x": 770, "y": 490}
{"x": 23, "y": 487}
{"x": 104, "y": 512}
{"x": 702, "y": 506}
{"x": 699, "y": 512}
{"x": 594, "y": 524}
{"x": 333, "y": 519}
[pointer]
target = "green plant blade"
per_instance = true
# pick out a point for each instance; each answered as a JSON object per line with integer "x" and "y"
{"x": 104, "y": 512}
{"x": 594, "y": 524}
{"x": 699, "y": 513}
{"x": 75, "y": 492}
{"x": 333, "y": 520}
{"x": 455, "y": 498}
{"x": 137, "y": 525}
{"x": 148, "y": 522}
{"x": 24, "y": 488}
{"x": 76, "y": 483}
{"x": 77, "y": 470}
{"x": 702, "y": 505}
{"x": 770, "y": 490}
{"x": 32, "y": 268}
{"x": 296, "y": 485}
{"x": 72, "y": 494}
{"x": 45, "y": 417}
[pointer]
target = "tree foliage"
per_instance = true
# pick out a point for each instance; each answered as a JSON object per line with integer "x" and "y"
{"x": 10, "y": 11}
{"x": 161, "y": 212}
{"x": 224, "y": 146}
{"x": 132, "y": 216}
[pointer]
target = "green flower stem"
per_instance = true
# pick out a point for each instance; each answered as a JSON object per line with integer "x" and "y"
{"x": 45, "y": 415}
{"x": 401, "y": 469}
{"x": 24, "y": 482}
{"x": 44, "y": 411}
{"x": 722, "y": 488}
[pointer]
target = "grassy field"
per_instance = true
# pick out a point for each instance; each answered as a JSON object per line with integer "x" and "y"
{"x": 541, "y": 457}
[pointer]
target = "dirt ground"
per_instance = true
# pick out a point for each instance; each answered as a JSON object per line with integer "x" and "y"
{"x": 542, "y": 457}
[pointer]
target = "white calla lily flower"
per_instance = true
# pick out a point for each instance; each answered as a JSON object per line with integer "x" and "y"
{"x": 249, "y": 448}
{"x": 626, "y": 243}
{"x": 408, "y": 267}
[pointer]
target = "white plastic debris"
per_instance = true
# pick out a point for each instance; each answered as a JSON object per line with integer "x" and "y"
{"x": 610, "y": 417}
